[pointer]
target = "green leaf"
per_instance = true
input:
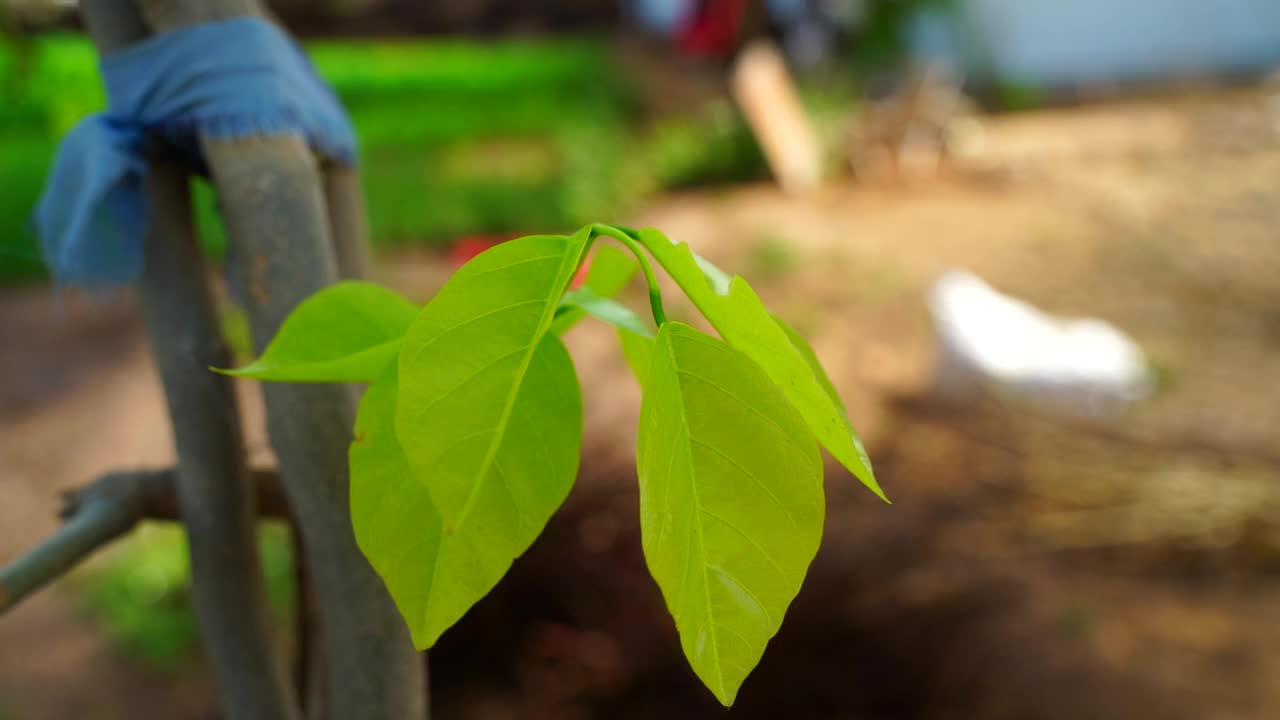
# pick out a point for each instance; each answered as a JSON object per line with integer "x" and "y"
{"x": 465, "y": 361}
{"x": 348, "y": 332}
{"x": 602, "y": 308}
{"x": 745, "y": 323}
{"x": 811, "y": 357}
{"x": 731, "y": 501}
{"x": 638, "y": 350}
{"x": 610, "y": 271}
{"x": 433, "y": 576}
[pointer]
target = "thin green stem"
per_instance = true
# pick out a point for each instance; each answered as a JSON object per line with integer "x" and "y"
{"x": 655, "y": 294}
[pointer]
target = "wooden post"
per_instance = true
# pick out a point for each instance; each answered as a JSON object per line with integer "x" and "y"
{"x": 213, "y": 495}
{"x": 347, "y": 221}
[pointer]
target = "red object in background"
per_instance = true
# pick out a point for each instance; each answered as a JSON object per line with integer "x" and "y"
{"x": 469, "y": 247}
{"x": 713, "y": 29}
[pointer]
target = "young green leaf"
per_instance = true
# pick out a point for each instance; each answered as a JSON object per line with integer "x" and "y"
{"x": 466, "y": 360}
{"x": 731, "y": 501}
{"x": 349, "y": 332}
{"x": 610, "y": 271}
{"x": 828, "y": 387}
{"x": 602, "y": 308}
{"x": 638, "y": 350}
{"x": 433, "y": 576}
{"x": 745, "y": 323}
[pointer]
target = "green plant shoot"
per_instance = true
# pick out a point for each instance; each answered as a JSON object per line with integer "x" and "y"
{"x": 468, "y": 437}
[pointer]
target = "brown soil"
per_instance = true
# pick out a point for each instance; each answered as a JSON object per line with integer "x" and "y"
{"x": 1029, "y": 567}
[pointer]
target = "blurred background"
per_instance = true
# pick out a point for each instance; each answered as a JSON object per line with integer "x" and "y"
{"x": 1086, "y": 517}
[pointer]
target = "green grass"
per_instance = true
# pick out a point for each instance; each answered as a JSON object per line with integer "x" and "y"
{"x": 456, "y": 137}
{"x": 140, "y": 594}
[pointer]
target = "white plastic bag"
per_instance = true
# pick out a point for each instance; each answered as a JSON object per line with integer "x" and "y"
{"x": 986, "y": 340}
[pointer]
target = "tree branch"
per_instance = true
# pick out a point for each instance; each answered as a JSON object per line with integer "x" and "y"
{"x": 102, "y": 511}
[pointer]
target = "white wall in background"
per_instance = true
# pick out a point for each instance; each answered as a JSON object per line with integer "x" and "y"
{"x": 1068, "y": 42}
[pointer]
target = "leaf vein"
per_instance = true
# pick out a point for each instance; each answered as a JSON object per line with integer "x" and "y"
{"x": 444, "y": 332}
{"x": 702, "y": 544}
{"x": 749, "y": 539}
{"x": 458, "y": 386}
{"x": 724, "y": 572}
{"x": 768, "y": 420}
{"x": 508, "y": 266}
{"x": 750, "y": 475}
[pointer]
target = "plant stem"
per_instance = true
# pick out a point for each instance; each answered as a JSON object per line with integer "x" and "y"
{"x": 655, "y": 293}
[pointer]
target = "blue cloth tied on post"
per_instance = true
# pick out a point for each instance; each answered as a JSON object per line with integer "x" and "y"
{"x": 229, "y": 79}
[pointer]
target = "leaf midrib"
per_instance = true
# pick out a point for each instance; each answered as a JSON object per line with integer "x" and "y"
{"x": 697, "y": 507}
{"x": 548, "y": 313}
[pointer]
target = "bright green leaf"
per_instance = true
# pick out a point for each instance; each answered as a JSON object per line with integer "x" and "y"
{"x": 609, "y": 272}
{"x": 718, "y": 278}
{"x": 731, "y": 501}
{"x": 638, "y": 350}
{"x": 349, "y": 332}
{"x": 745, "y": 323}
{"x": 602, "y": 308}
{"x": 811, "y": 357}
{"x": 465, "y": 361}
{"x": 433, "y": 576}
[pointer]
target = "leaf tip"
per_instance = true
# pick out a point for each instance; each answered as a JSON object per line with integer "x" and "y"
{"x": 870, "y": 482}
{"x": 726, "y": 693}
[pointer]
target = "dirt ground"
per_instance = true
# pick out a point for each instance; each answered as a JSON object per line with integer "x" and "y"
{"x": 1029, "y": 568}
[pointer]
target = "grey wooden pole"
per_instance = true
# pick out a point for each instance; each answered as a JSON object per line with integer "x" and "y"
{"x": 271, "y": 193}
{"x": 273, "y": 205}
{"x": 213, "y": 495}
{"x": 348, "y": 221}
{"x": 217, "y": 508}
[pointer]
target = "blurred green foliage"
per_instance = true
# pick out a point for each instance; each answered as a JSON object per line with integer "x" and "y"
{"x": 456, "y": 137}
{"x": 713, "y": 145}
{"x": 140, "y": 593}
{"x": 770, "y": 258}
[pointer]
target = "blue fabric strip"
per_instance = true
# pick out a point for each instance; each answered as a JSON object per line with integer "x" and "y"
{"x": 229, "y": 79}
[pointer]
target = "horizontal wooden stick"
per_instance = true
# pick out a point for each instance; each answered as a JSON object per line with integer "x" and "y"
{"x": 105, "y": 509}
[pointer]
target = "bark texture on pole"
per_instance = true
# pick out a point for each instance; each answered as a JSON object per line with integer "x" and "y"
{"x": 284, "y": 228}
{"x": 272, "y": 199}
{"x": 347, "y": 221}
{"x": 288, "y": 221}
{"x": 213, "y": 496}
